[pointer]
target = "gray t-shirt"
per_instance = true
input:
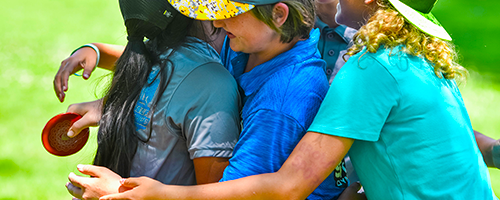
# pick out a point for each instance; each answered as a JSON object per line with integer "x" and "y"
{"x": 197, "y": 116}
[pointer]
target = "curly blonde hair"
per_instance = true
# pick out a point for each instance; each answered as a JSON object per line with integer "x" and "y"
{"x": 387, "y": 27}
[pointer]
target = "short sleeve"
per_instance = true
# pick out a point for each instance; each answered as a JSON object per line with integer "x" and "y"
{"x": 211, "y": 125}
{"x": 358, "y": 101}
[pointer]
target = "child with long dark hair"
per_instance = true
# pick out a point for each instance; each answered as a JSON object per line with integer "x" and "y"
{"x": 172, "y": 111}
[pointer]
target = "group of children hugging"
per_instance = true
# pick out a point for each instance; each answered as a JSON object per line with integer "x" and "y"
{"x": 279, "y": 99}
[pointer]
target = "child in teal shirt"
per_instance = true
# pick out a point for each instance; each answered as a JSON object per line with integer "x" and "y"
{"x": 397, "y": 98}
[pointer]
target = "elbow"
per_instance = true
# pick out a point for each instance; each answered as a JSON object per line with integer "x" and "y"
{"x": 292, "y": 192}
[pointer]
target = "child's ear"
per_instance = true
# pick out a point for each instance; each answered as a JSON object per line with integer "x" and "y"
{"x": 280, "y": 14}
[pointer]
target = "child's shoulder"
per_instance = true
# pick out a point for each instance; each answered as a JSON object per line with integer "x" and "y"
{"x": 384, "y": 56}
{"x": 298, "y": 83}
{"x": 306, "y": 76}
{"x": 390, "y": 59}
{"x": 193, "y": 55}
{"x": 299, "y": 93}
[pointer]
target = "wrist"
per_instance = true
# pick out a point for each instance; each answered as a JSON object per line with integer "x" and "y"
{"x": 94, "y": 48}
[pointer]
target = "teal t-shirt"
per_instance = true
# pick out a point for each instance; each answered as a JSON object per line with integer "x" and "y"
{"x": 413, "y": 136}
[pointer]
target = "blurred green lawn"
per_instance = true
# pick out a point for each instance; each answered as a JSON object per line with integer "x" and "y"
{"x": 35, "y": 36}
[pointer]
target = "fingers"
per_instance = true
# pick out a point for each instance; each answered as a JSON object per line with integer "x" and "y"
{"x": 83, "y": 123}
{"x": 83, "y": 58}
{"x": 87, "y": 107}
{"x": 115, "y": 196}
{"x": 122, "y": 188}
{"x": 91, "y": 114}
{"x": 78, "y": 108}
{"x": 87, "y": 70}
{"x": 65, "y": 76}
{"x": 126, "y": 190}
{"x": 58, "y": 90}
{"x": 60, "y": 82}
{"x": 94, "y": 171}
{"x": 75, "y": 191}
{"x": 67, "y": 68}
{"x": 76, "y": 180}
{"x": 88, "y": 63}
{"x": 131, "y": 182}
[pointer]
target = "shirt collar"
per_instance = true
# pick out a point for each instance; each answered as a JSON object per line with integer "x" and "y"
{"x": 254, "y": 79}
{"x": 346, "y": 33}
{"x": 320, "y": 24}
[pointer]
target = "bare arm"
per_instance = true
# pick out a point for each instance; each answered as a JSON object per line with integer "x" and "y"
{"x": 109, "y": 55}
{"x": 209, "y": 169}
{"x": 312, "y": 160}
{"x": 104, "y": 181}
{"x": 490, "y": 148}
{"x": 85, "y": 58}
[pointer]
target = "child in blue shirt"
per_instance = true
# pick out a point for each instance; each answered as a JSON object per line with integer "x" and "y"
{"x": 272, "y": 55}
{"x": 281, "y": 97}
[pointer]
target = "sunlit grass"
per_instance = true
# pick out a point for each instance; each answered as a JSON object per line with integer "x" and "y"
{"x": 35, "y": 36}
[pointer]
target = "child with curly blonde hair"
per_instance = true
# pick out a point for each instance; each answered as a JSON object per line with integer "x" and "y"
{"x": 389, "y": 29}
{"x": 397, "y": 103}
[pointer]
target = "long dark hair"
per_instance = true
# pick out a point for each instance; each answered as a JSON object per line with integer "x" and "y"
{"x": 117, "y": 137}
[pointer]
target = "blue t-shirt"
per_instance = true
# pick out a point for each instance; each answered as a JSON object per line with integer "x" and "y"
{"x": 281, "y": 98}
{"x": 413, "y": 137}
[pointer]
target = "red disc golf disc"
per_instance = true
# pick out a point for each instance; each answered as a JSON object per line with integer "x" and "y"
{"x": 55, "y": 139}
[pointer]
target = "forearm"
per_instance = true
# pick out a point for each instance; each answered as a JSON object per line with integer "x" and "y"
{"x": 486, "y": 145}
{"x": 109, "y": 55}
{"x": 264, "y": 186}
{"x": 310, "y": 163}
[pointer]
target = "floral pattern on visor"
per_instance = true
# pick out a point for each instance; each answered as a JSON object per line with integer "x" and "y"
{"x": 210, "y": 9}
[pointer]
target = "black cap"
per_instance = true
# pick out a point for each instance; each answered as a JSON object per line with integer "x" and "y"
{"x": 158, "y": 12}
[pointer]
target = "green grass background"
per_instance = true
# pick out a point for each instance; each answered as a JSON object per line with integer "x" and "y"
{"x": 35, "y": 36}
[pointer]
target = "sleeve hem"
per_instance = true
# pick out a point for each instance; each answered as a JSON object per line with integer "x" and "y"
{"x": 356, "y": 135}
{"x": 212, "y": 153}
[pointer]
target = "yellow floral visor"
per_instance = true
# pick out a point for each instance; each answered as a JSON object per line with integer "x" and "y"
{"x": 210, "y": 9}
